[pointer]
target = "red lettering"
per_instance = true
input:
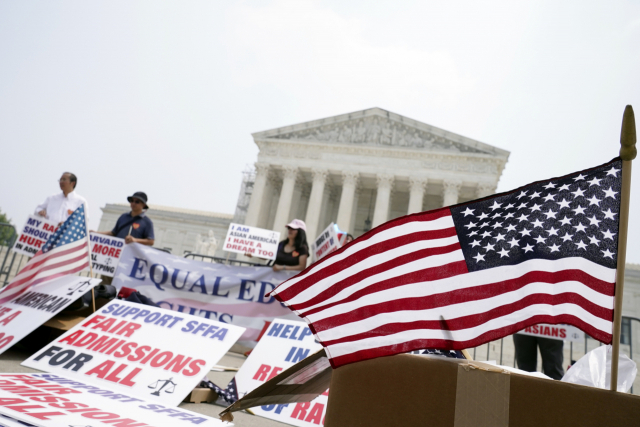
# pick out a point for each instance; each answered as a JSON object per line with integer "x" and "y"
{"x": 71, "y": 338}
{"x": 10, "y": 318}
{"x": 554, "y": 332}
{"x": 194, "y": 367}
{"x": 563, "y": 333}
{"x": 113, "y": 376}
{"x": 262, "y": 373}
{"x": 117, "y": 254}
{"x": 112, "y": 251}
{"x": 275, "y": 371}
{"x": 128, "y": 379}
{"x": 315, "y": 415}
{"x": 87, "y": 339}
{"x": 102, "y": 369}
{"x": 300, "y": 410}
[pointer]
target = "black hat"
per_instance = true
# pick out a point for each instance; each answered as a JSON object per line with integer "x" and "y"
{"x": 140, "y": 196}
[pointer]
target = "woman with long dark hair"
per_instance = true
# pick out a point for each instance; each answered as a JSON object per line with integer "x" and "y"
{"x": 294, "y": 250}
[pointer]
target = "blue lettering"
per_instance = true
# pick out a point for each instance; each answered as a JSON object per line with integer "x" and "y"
{"x": 305, "y": 332}
{"x": 264, "y": 292}
{"x": 290, "y": 355}
{"x": 221, "y": 318}
{"x": 279, "y": 408}
{"x": 244, "y": 289}
{"x": 216, "y": 288}
{"x": 189, "y": 326}
{"x": 137, "y": 268}
{"x": 163, "y": 277}
{"x": 220, "y": 334}
{"x": 199, "y": 282}
{"x": 275, "y": 329}
{"x": 174, "y": 276}
{"x": 301, "y": 354}
{"x": 285, "y": 333}
{"x": 293, "y": 334}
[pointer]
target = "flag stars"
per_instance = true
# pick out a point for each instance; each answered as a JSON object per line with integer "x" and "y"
{"x": 578, "y": 193}
{"x": 497, "y": 215}
{"x": 495, "y": 205}
{"x": 607, "y": 254}
{"x": 479, "y": 257}
{"x": 565, "y": 221}
{"x": 534, "y": 195}
{"x": 552, "y": 232}
{"x": 499, "y": 237}
{"x": 489, "y": 247}
{"x": 503, "y": 253}
{"x": 610, "y": 193}
{"x": 483, "y": 216}
{"x": 594, "y": 181}
{"x": 471, "y": 225}
{"x": 594, "y": 221}
{"x": 580, "y": 227}
{"x": 567, "y": 237}
{"x": 608, "y": 235}
{"x": 593, "y": 241}
{"x": 608, "y": 214}
{"x": 537, "y": 223}
{"x": 468, "y": 212}
{"x": 514, "y": 242}
{"x": 509, "y": 215}
{"x": 550, "y": 214}
{"x": 475, "y": 243}
{"x": 523, "y": 217}
{"x": 549, "y": 198}
{"x": 594, "y": 201}
{"x": 554, "y": 248}
{"x": 564, "y": 204}
{"x": 486, "y": 234}
{"x": 564, "y": 187}
{"x": 525, "y": 232}
{"x": 522, "y": 194}
{"x": 550, "y": 186}
{"x": 511, "y": 227}
{"x": 613, "y": 171}
{"x": 473, "y": 233}
{"x": 510, "y": 206}
{"x": 579, "y": 178}
{"x": 539, "y": 239}
{"x": 528, "y": 248}
{"x": 497, "y": 225}
{"x": 535, "y": 207}
{"x": 579, "y": 210}
{"x": 581, "y": 245}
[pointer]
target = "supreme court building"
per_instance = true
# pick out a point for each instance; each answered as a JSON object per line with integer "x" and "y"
{"x": 362, "y": 169}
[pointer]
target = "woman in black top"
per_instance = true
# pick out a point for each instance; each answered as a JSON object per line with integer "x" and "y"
{"x": 294, "y": 250}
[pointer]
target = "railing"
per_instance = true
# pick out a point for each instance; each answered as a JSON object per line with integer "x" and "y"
{"x": 225, "y": 261}
{"x": 11, "y": 261}
{"x": 503, "y": 351}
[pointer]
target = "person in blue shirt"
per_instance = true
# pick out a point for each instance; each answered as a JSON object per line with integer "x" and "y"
{"x": 134, "y": 226}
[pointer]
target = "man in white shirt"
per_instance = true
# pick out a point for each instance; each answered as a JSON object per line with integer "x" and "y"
{"x": 59, "y": 207}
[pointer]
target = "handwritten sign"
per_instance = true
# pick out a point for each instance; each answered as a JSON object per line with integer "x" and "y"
{"x": 50, "y": 400}
{"x": 105, "y": 253}
{"x": 556, "y": 332}
{"x": 258, "y": 242}
{"x": 34, "y": 235}
{"x": 284, "y": 344}
{"x": 328, "y": 241}
{"x": 24, "y": 313}
{"x": 148, "y": 352}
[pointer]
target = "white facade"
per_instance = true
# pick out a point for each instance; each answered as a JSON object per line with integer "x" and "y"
{"x": 175, "y": 229}
{"x": 364, "y": 168}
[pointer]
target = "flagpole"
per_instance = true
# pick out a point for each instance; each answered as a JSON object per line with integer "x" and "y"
{"x": 93, "y": 295}
{"x": 627, "y": 154}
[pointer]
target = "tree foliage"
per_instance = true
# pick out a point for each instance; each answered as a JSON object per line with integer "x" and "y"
{"x": 6, "y": 232}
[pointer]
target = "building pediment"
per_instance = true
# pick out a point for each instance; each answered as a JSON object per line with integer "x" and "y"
{"x": 380, "y": 128}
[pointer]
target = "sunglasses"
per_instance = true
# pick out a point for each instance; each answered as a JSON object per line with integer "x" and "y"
{"x": 137, "y": 201}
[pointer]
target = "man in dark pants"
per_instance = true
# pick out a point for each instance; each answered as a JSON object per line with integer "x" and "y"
{"x": 550, "y": 350}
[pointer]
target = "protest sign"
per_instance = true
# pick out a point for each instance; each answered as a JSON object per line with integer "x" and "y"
{"x": 328, "y": 241}
{"x": 145, "y": 351}
{"x": 556, "y": 332}
{"x": 258, "y": 242}
{"x": 24, "y": 313}
{"x": 49, "y": 400}
{"x": 105, "y": 253}
{"x": 284, "y": 344}
{"x": 33, "y": 235}
{"x": 229, "y": 294}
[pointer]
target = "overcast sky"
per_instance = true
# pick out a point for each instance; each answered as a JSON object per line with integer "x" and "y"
{"x": 162, "y": 96}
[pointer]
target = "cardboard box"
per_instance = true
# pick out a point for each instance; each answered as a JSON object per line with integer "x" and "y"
{"x": 409, "y": 390}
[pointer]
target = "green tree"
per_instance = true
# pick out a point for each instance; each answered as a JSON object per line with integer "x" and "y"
{"x": 6, "y": 233}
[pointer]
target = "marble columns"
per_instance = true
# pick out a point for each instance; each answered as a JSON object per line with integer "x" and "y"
{"x": 383, "y": 196}
{"x": 256, "y": 204}
{"x": 451, "y": 190}
{"x": 315, "y": 202}
{"x": 347, "y": 199}
{"x": 417, "y": 186}
{"x": 484, "y": 189}
{"x": 286, "y": 196}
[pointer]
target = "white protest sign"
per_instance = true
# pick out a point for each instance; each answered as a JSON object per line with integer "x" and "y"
{"x": 258, "y": 242}
{"x": 105, "y": 253}
{"x": 556, "y": 332}
{"x": 284, "y": 344}
{"x": 34, "y": 234}
{"x": 145, "y": 351}
{"x": 328, "y": 241}
{"x": 24, "y": 313}
{"x": 50, "y": 400}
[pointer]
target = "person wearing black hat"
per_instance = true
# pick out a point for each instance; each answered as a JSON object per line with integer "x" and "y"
{"x": 134, "y": 226}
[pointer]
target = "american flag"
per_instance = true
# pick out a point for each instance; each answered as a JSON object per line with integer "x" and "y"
{"x": 461, "y": 276}
{"x": 66, "y": 252}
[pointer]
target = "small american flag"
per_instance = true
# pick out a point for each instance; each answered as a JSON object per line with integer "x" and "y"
{"x": 66, "y": 252}
{"x": 461, "y": 276}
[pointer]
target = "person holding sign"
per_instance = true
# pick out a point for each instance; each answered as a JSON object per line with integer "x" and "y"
{"x": 294, "y": 250}
{"x": 59, "y": 207}
{"x": 134, "y": 226}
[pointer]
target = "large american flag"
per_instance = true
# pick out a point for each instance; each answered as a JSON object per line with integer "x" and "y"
{"x": 66, "y": 252}
{"x": 460, "y": 276}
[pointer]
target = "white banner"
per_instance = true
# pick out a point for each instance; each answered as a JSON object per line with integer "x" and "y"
{"x": 284, "y": 344}
{"x": 258, "y": 242}
{"x": 105, "y": 253}
{"x": 228, "y": 294}
{"x": 23, "y": 314}
{"x": 328, "y": 241}
{"x": 144, "y": 351}
{"x": 556, "y": 332}
{"x": 49, "y": 400}
{"x": 34, "y": 234}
